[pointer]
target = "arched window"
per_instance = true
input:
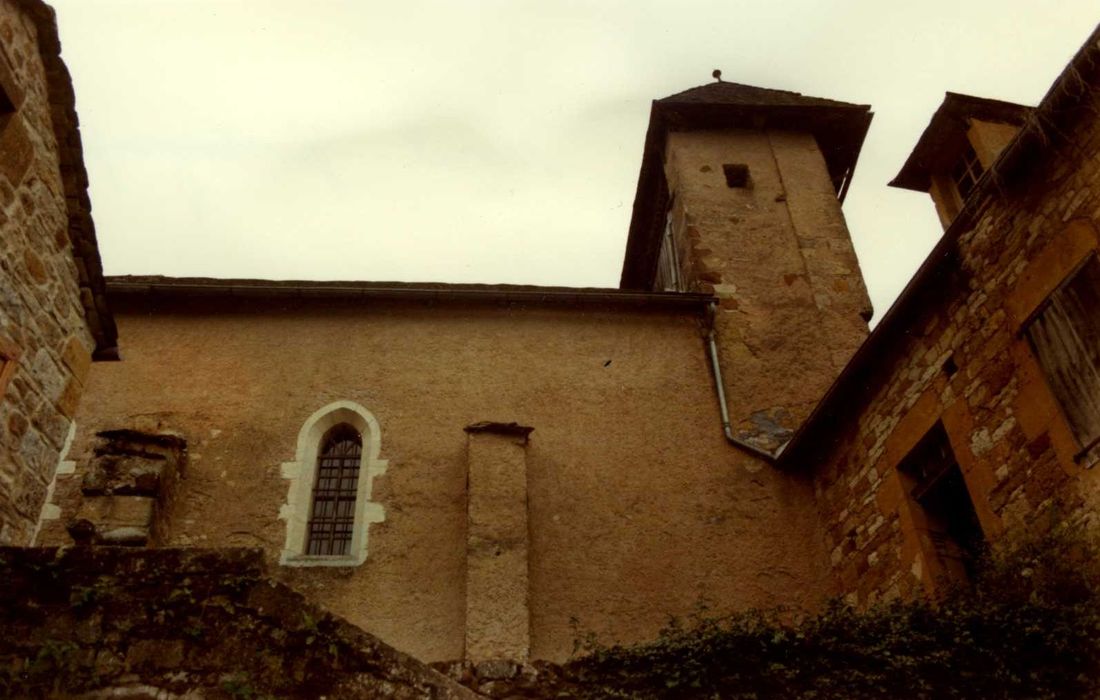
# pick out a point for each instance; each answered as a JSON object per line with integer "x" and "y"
{"x": 332, "y": 515}
{"x": 328, "y": 509}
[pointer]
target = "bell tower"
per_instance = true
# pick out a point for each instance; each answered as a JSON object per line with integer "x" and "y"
{"x": 740, "y": 196}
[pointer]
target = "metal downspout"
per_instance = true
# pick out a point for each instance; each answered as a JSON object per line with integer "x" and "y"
{"x": 716, "y": 370}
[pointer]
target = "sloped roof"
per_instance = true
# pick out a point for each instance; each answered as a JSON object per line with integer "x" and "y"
{"x": 942, "y": 140}
{"x": 722, "y": 92}
{"x": 152, "y": 288}
{"x": 838, "y": 127}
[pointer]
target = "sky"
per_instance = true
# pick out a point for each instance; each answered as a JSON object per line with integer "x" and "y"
{"x": 495, "y": 141}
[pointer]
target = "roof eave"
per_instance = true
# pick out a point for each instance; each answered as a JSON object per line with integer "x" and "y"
{"x": 151, "y": 288}
{"x": 945, "y": 124}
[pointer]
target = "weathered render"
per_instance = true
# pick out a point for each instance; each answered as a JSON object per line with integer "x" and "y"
{"x": 636, "y": 506}
{"x": 52, "y": 311}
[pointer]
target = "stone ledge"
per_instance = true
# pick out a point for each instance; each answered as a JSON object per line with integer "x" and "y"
{"x": 499, "y": 428}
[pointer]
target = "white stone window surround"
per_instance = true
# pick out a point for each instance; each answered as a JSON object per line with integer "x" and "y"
{"x": 302, "y": 473}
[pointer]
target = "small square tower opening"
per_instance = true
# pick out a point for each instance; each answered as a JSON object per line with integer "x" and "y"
{"x": 737, "y": 174}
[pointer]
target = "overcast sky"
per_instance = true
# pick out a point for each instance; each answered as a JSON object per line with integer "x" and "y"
{"x": 495, "y": 141}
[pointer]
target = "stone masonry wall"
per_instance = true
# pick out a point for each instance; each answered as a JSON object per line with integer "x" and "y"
{"x": 43, "y": 335}
{"x": 965, "y": 363}
{"x": 139, "y": 623}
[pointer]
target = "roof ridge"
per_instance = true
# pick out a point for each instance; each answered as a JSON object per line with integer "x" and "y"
{"x": 734, "y": 93}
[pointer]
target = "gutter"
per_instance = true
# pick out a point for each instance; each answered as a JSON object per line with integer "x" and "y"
{"x": 712, "y": 354}
{"x": 166, "y": 287}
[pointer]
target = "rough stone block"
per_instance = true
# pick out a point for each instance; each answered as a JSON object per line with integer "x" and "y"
{"x": 35, "y": 267}
{"x": 124, "y": 536}
{"x": 131, "y": 510}
{"x": 77, "y": 357}
{"x": 70, "y": 397}
{"x": 16, "y": 149}
{"x": 117, "y": 520}
{"x": 126, "y": 474}
{"x": 31, "y": 495}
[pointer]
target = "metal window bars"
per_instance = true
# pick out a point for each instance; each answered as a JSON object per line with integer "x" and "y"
{"x": 332, "y": 515}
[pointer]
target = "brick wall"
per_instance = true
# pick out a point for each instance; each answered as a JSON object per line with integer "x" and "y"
{"x": 43, "y": 334}
{"x": 963, "y": 362}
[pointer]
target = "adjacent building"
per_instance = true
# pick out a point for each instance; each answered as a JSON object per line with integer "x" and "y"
{"x": 971, "y": 413}
{"x": 53, "y": 312}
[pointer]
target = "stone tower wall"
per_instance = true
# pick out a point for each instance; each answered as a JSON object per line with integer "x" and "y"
{"x": 778, "y": 255}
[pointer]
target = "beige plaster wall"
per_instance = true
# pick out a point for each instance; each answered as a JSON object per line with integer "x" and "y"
{"x": 45, "y": 347}
{"x": 638, "y": 508}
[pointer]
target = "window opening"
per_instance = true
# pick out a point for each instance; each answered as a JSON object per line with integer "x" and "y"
{"x": 332, "y": 515}
{"x": 950, "y": 367}
{"x": 1064, "y": 333}
{"x": 737, "y": 174}
{"x": 668, "y": 263}
{"x": 967, "y": 172}
{"x": 939, "y": 489}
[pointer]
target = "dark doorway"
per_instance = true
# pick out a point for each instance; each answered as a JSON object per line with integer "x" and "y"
{"x": 950, "y": 522}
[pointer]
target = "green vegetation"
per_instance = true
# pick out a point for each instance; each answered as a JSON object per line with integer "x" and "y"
{"x": 1029, "y": 627}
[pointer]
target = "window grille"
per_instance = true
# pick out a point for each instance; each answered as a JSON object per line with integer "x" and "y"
{"x": 332, "y": 515}
{"x": 967, "y": 172}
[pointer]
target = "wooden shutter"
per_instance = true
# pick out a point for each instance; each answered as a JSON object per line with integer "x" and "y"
{"x": 1065, "y": 336}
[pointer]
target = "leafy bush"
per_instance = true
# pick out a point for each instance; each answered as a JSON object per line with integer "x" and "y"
{"x": 1028, "y": 627}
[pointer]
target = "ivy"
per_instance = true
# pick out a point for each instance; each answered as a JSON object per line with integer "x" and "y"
{"x": 1029, "y": 626}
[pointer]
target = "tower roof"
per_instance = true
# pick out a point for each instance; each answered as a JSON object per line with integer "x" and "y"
{"x": 725, "y": 93}
{"x": 838, "y": 127}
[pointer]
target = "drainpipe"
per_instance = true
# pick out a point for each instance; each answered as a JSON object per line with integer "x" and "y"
{"x": 716, "y": 370}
